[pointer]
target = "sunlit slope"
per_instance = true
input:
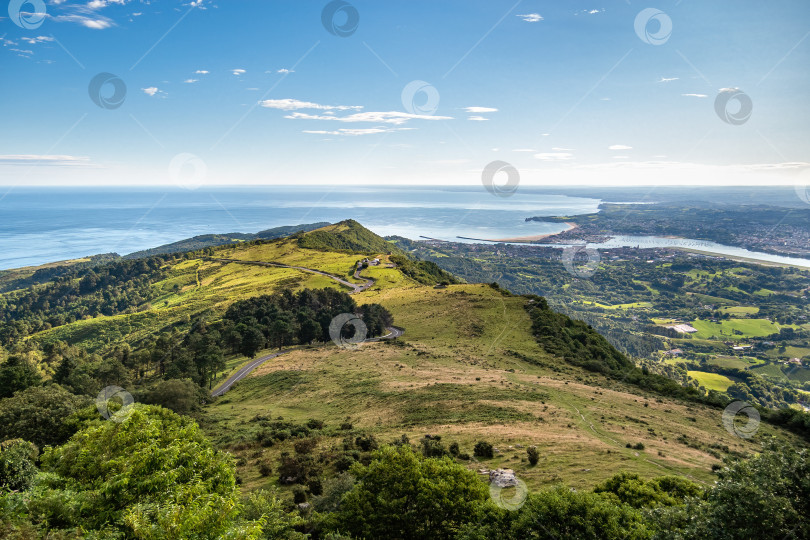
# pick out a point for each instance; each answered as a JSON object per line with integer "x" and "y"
{"x": 202, "y": 283}
{"x": 469, "y": 369}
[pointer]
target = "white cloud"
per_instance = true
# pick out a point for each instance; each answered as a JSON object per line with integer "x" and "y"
{"x": 524, "y": 150}
{"x": 349, "y": 132}
{"x": 44, "y": 159}
{"x": 38, "y": 39}
{"x": 668, "y": 79}
{"x": 22, "y": 51}
{"x": 201, "y": 72}
{"x": 295, "y": 104}
{"x": 390, "y": 117}
{"x": 590, "y": 11}
{"x": 695, "y": 95}
{"x": 189, "y": 81}
{"x": 478, "y": 118}
{"x": 531, "y": 17}
{"x": 557, "y": 149}
{"x": 480, "y": 109}
{"x": 285, "y": 70}
{"x": 151, "y": 91}
{"x": 554, "y": 156}
{"x": 96, "y": 22}
{"x": 238, "y": 71}
{"x": 619, "y": 147}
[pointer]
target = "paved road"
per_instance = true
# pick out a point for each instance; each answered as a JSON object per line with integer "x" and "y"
{"x": 393, "y": 331}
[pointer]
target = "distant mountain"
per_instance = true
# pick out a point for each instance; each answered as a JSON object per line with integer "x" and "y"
{"x": 213, "y": 240}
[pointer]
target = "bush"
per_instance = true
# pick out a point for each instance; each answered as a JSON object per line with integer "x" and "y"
{"x": 305, "y": 446}
{"x": 299, "y": 495}
{"x": 400, "y": 493}
{"x": 454, "y": 449}
{"x": 315, "y": 424}
{"x": 265, "y": 469}
{"x": 483, "y": 449}
{"x": 534, "y": 455}
{"x": 432, "y": 447}
{"x": 17, "y": 469}
{"x": 346, "y": 426}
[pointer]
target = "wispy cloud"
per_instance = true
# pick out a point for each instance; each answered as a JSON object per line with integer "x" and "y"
{"x": 238, "y": 71}
{"x": 480, "y": 109}
{"x": 350, "y": 132}
{"x": 390, "y": 117}
{"x": 554, "y": 156}
{"x": 45, "y": 160}
{"x": 295, "y": 104}
{"x": 201, "y": 72}
{"x": 152, "y": 91}
{"x": 695, "y": 95}
{"x": 668, "y": 79}
{"x": 531, "y": 17}
{"x": 38, "y": 39}
{"x": 285, "y": 70}
{"x": 619, "y": 147}
{"x": 189, "y": 81}
{"x": 478, "y": 118}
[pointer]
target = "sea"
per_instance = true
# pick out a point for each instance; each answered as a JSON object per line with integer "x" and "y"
{"x": 41, "y": 225}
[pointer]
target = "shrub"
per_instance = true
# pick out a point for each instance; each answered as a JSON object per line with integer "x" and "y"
{"x": 534, "y": 455}
{"x": 483, "y": 449}
{"x": 305, "y": 446}
{"x": 315, "y": 424}
{"x": 299, "y": 495}
{"x": 265, "y": 469}
{"x": 454, "y": 449}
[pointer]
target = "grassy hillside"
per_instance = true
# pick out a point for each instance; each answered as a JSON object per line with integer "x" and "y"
{"x": 468, "y": 368}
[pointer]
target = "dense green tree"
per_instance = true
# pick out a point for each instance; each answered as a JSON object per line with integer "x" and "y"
{"x": 401, "y": 494}
{"x": 17, "y": 464}
{"x": 44, "y": 415}
{"x": 17, "y": 373}
{"x": 153, "y": 475}
{"x": 631, "y": 489}
{"x": 182, "y": 396}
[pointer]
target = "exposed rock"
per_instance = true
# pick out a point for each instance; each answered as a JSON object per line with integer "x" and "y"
{"x": 502, "y": 478}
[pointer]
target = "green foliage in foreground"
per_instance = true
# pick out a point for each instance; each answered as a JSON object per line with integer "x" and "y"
{"x": 404, "y": 495}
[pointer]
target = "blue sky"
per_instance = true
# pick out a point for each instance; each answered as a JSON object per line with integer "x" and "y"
{"x": 260, "y": 92}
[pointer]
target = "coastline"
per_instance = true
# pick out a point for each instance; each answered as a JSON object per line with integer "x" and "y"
{"x": 526, "y": 239}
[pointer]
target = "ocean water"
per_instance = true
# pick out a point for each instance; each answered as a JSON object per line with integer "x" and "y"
{"x": 39, "y": 225}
